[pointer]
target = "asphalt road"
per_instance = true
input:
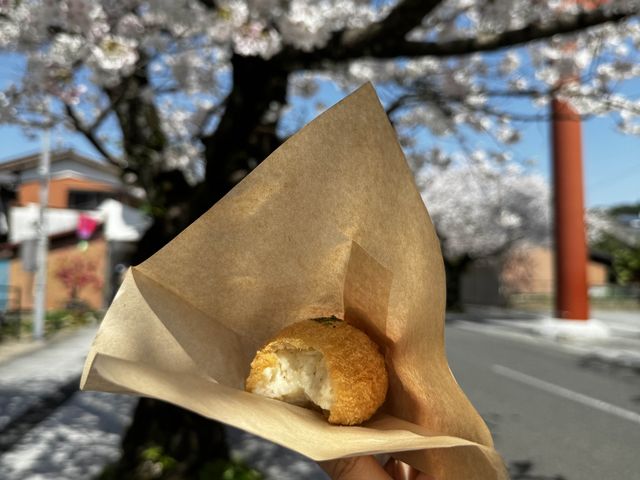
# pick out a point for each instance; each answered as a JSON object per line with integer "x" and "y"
{"x": 555, "y": 415}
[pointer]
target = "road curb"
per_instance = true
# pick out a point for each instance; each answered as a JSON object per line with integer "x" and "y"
{"x": 17, "y": 349}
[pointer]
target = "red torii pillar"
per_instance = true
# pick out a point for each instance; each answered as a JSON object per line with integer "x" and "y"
{"x": 572, "y": 301}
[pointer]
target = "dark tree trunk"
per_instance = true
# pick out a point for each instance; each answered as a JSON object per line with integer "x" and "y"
{"x": 245, "y": 135}
{"x": 454, "y": 270}
{"x": 169, "y": 218}
{"x": 143, "y": 139}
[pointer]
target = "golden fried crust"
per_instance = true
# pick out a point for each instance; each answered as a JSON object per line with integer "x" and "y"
{"x": 356, "y": 368}
{"x": 260, "y": 362}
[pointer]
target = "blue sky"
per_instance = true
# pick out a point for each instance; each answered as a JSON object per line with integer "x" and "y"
{"x": 611, "y": 159}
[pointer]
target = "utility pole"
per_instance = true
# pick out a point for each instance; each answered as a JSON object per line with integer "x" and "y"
{"x": 42, "y": 248}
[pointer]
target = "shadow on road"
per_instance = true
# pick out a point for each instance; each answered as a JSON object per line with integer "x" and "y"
{"x": 524, "y": 470}
{"x": 40, "y": 408}
{"x": 74, "y": 442}
{"x": 620, "y": 365}
{"x": 483, "y": 314}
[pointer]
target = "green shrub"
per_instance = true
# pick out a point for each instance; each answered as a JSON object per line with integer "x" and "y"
{"x": 56, "y": 320}
{"x": 228, "y": 470}
{"x": 156, "y": 464}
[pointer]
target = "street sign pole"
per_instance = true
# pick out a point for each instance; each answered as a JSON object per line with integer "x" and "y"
{"x": 40, "y": 287}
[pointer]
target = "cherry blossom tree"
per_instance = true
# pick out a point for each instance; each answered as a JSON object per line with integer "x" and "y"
{"x": 187, "y": 96}
{"x": 481, "y": 209}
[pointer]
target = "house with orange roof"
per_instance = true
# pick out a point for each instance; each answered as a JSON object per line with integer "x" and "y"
{"x": 91, "y": 220}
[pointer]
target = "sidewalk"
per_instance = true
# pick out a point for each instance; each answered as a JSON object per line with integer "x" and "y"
{"x": 46, "y": 430}
{"x": 611, "y": 337}
{"x": 30, "y": 371}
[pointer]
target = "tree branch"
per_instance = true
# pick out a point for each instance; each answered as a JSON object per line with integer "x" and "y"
{"x": 406, "y": 16}
{"x": 510, "y": 38}
{"x": 400, "y": 102}
{"x": 102, "y": 116}
{"x": 356, "y": 43}
{"x": 208, "y": 115}
{"x": 90, "y": 135}
{"x": 212, "y": 4}
{"x": 386, "y": 40}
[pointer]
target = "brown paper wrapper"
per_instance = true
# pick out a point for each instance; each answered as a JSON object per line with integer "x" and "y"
{"x": 330, "y": 224}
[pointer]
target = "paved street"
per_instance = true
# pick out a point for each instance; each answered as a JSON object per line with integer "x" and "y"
{"x": 554, "y": 414}
{"x": 47, "y": 429}
{"x": 557, "y": 412}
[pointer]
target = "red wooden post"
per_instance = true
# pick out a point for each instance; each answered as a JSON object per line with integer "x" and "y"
{"x": 572, "y": 300}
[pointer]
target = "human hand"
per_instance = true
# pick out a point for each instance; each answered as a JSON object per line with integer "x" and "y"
{"x": 366, "y": 467}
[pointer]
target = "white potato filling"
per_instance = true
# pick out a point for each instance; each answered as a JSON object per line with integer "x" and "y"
{"x": 299, "y": 377}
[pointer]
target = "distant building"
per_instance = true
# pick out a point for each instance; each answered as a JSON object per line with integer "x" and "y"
{"x": 18, "y": 267}
{"x": 89, "y": 220}
{"x": 529, "y": 269}
{"x": 526, "y": 270}
{"x": 75, "y": 182}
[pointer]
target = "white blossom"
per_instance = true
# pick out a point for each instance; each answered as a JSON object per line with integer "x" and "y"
{"x": 130, "y": 25}
{"x": 509, "y": 63}
{"x": 67, "y": 49}
{"x": 193, "y": 71}
{"x": 255, "y": 38}
{"x": 507, "y": 134}
{"x": 600, "y": 224}
{"x": 115, "y": 55}
{"x": 86, "y": 17}
{"x": 304, "y": 25}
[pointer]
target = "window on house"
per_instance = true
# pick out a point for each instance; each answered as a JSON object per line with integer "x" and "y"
{"x": 86, "y": 200}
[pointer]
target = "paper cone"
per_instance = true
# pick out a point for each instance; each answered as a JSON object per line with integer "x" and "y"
{"x": 330, "y": 224}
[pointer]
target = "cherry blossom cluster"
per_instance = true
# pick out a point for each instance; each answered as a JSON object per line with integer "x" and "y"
{"x": 483, "y": 208}
{"x": 77, "y": 53}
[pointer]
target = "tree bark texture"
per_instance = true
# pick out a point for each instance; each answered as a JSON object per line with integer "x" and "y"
{"x": 246, "y": 133}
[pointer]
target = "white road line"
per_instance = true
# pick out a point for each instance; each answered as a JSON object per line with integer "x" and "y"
{"x": 566, "y": 393}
